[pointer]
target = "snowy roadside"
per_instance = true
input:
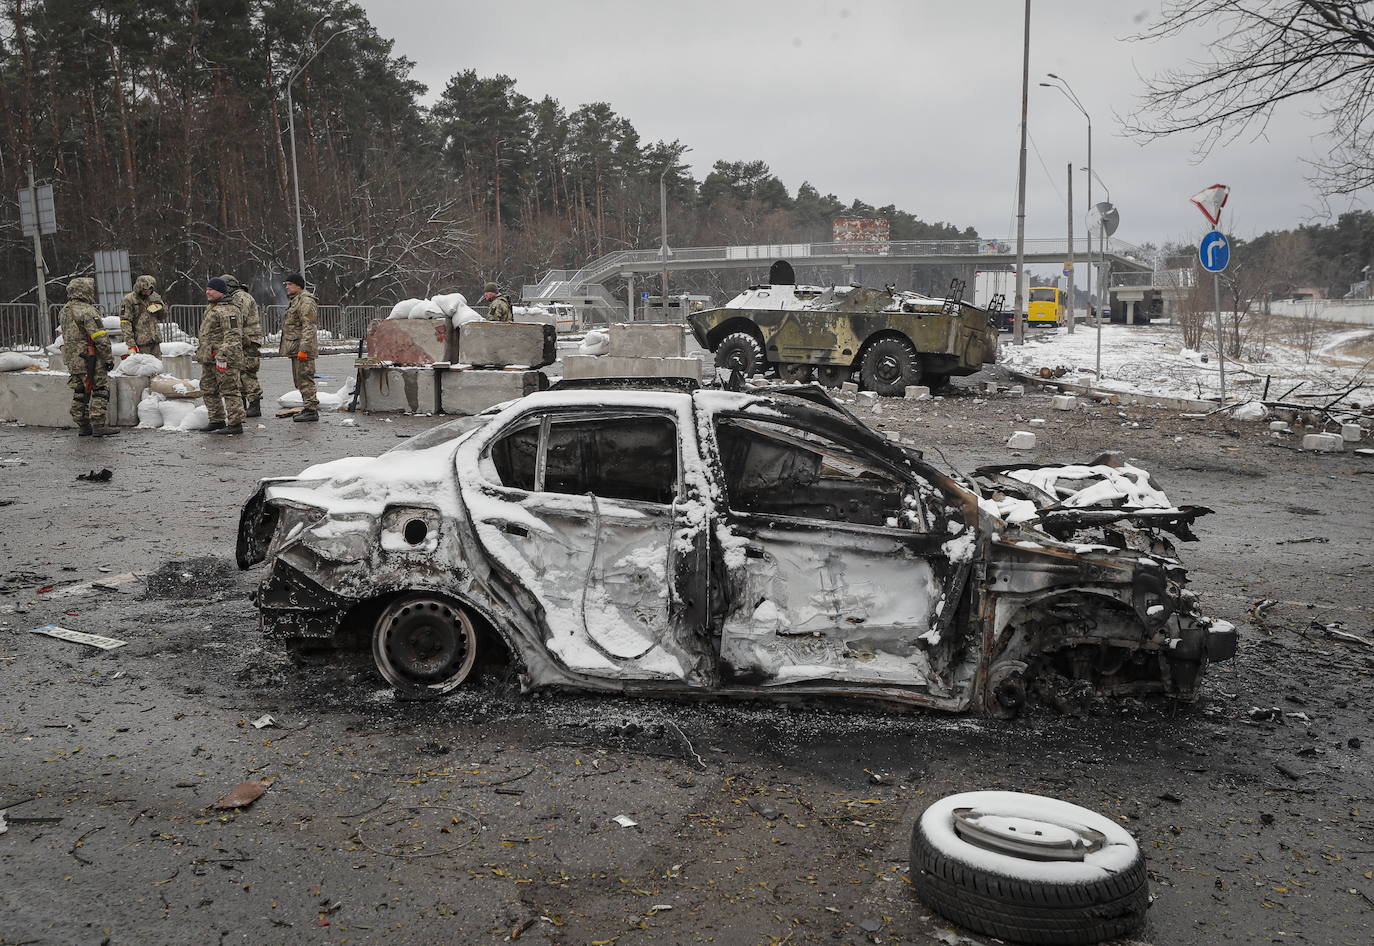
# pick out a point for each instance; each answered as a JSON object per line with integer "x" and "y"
{"x": 1151, "y": 360}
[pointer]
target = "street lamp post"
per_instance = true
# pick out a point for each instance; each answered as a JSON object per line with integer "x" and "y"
{"x": 291, "y": 131}
{"x": 663, "y": 244}
{"x": 1102, "y": 255}
{"x": 1067, "y": 91}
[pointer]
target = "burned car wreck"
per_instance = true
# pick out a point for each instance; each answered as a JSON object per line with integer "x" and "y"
{"x": 677, "y": 540}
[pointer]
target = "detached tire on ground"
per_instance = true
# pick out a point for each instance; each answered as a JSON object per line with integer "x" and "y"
{"x": 889, "y": 365}
{"x": 742, "y": 352}
{"x": 1028, "y": 869}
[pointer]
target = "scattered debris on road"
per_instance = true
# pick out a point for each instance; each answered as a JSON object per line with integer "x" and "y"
{"x": 78, "y": 637}
{"x": 243, "y": 794}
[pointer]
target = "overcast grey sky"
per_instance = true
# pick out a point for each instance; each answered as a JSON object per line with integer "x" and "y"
{"x": 912, "y": 103}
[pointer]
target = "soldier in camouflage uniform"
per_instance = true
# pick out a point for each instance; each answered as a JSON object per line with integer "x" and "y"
{"x": 220, "y": 355}
{"x": 498, "y": 306}
{"x": 300, "y": 343}
{"x": 138, "y": 317}
{"x": 252, "y": 345}
{"x": 87, "y": 354}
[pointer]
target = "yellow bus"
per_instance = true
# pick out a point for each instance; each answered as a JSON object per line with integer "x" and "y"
{"x": 1045, "y": 306}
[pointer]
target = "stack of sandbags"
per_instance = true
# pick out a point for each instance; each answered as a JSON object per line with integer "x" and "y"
{"x": 452, "y": 307}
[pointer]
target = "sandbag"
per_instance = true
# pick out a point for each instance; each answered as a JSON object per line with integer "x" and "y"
{"x": 175, "y": 349}
{"x": 138, "y": 366}
{"x": 150, "y": 410}
{"x": 170, "y": 387}
{"x": 175, "y": 412}
{"x": 16, "y": 361}
{"x": 401, "y": 310}
{"x": 595, "y": 343}
{"x": 198, "y": 419}
{"x": 449, "y": 304}
{"x": 465, "y": 314}
{"x": 427, "y": 309}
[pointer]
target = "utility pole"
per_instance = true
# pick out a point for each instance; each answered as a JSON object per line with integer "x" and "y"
{"x": 1072, "y": 269}
{"x": 291, "y": 130}
{"x": 1019, "y": 325}
{"x": 39, "y": 268}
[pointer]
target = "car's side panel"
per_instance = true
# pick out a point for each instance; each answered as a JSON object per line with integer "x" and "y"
{"x": 615, "y": 582}
{"x": 855, "y": 604}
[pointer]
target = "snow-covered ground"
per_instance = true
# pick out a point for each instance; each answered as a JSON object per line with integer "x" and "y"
{"x": 1151, "y": 360}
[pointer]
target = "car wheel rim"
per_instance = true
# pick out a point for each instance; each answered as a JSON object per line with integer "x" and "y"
{"x": 1029, "y": 838}
{"x": 426, "y": 644}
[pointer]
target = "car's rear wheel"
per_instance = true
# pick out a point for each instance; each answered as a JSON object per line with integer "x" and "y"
{"x": 1029, "y": 869}
{"x": 794, "y": 372}
{"x": 832, "y": 376}
{"x": 889, "y": 365}
{"x": 740, "y": 352}
{"x": 424, "y": 646}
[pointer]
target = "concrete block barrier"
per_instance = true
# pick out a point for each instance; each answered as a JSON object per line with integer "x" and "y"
{"x": 502, "y": 344}
{"x": 623, "y": 366}
{"x": 648, "y": 340}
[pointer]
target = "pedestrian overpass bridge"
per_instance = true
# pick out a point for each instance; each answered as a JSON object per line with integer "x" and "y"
{"x": 586, "y": 287}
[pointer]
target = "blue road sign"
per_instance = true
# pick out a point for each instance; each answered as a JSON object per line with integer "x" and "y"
{"x": 644, "y": 295}
{"x": 1214, "y": 251}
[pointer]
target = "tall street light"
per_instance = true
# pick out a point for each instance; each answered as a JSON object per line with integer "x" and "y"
{"x": 1104, "y": 228}
{"x": 1067, "y": 91}
{"x": 1018, "y": 335}
{"x": 291, "y": 130}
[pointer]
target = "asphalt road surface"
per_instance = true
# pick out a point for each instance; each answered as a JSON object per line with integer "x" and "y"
{"x": 490, "y": 817}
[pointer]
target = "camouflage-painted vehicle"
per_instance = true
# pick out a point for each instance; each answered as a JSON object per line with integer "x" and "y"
{"x": 882, "y": 338}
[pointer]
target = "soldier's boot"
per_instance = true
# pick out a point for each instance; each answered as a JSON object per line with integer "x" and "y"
{"x": 105, "y": 431}
{"x": 84, "y": 430}
{"x": 307, "y": 415}
{"x": 252, "y": 408}
{"x": 228, "y": 429}
{"x": 214, "y": 426}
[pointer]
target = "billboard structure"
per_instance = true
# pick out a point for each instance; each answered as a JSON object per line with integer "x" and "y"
{"x": 868, "y": 234}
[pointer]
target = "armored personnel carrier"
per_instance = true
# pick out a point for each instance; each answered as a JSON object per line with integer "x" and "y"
{"x": 884, "y": 339}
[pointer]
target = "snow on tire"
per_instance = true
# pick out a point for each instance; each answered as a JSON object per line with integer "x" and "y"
{"x": 1028, "y": 869}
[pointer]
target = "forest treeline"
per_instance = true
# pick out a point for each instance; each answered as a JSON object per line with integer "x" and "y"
{"x": 162, "y": 125}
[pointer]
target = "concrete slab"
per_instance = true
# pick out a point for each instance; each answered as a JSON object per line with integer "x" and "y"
{"x": 125, "y": 393}
{"x": 1326, "y": 443}
{"x": 411, "y": 341}
{"x": 1064, "y": 402}
{"x": 1351, "y": 433}
{"x": 621, "y": 366}
{"x": 499, "y": 344}
{"x": 1021, "y": 440}
{"x": 388, "y": 388}
{"x": 36, "y": 398}
{"x": 648, "y": 340}
{"x": 917, "y": 392}
{"x": 472, "y": 390}
{"x": 179, "y": 366}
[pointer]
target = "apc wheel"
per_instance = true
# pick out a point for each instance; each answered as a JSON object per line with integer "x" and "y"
{"x": 889, "y": 365}
{"x": 1029, "y": 869}
{"x": 794, "y": 372}
{"x": 832, "y": 376}
{"x": 424, "y": 646}
{"x": 740, "y": 352}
